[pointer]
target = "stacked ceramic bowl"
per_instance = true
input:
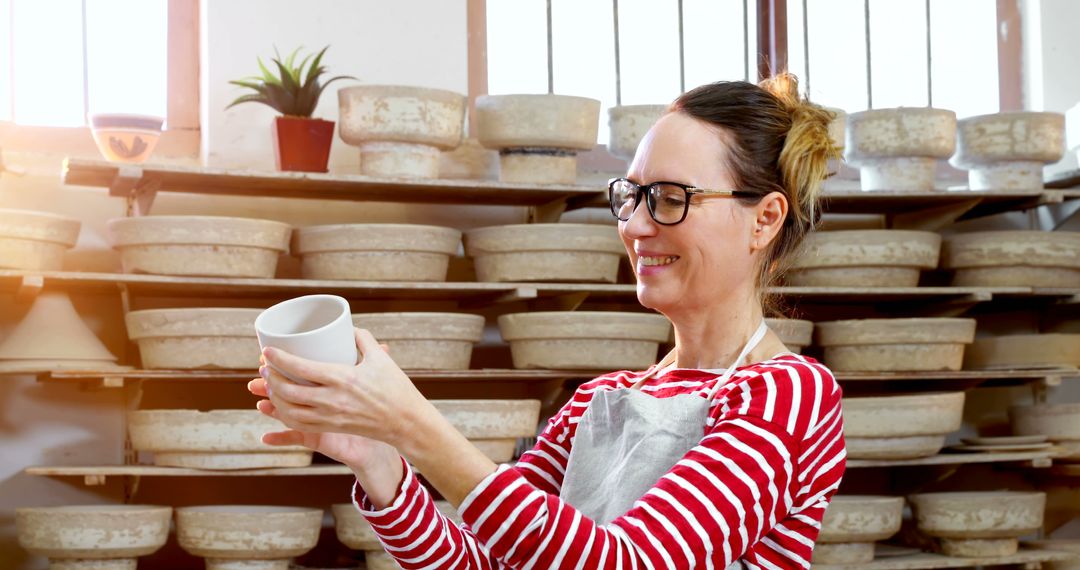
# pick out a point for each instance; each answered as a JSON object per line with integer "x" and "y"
{"x": 546, "y": 252}
{"x": 425, "y": 341}
{"x": 35, "y": 240}
{"x": 195, "y": 338}
{"x": 1059, "y": 422}
{"x": 218, "y": 439}
{"x": 200, "y": 246}
{"x": 864, "y": 258}
{"x": 851, "y": 526}
{"x": 879, "y": 345}
{"x": 376, "y": 252}
{"x": 584, "y": 340}
{"x": 1013, "y": 259}
{"x": 979, "y": 524}
{"x": 900, "y": 427}
{"x": 93, "y": 537}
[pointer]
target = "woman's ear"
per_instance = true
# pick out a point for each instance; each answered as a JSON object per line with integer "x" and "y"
{"x": 769, "y": 216}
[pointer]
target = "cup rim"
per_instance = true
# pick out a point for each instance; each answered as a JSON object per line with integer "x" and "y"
{"x": 339, "y": 300}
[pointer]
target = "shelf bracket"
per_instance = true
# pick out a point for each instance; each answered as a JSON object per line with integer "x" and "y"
{"x": 96, "y": 480}
{"x": 29, "y": 288}
{"x": 129, "y": 183}
{"x": 547, "y": 213}
{"x": 932, "y": 219}
{"x": 567, "y": 302}
{"x": 518, "y": 294}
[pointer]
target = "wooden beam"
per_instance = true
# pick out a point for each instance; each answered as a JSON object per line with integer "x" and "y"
{"x": 1010, "y": 55}
{"x": 183, "y": 66}
{"x": 772, "y": 38}
{"x": 476, "y": 22}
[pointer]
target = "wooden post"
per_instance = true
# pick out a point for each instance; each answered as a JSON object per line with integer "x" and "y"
{"x": 772, "y": 38}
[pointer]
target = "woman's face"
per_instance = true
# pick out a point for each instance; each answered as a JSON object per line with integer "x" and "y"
{"x": 707, "y": 257}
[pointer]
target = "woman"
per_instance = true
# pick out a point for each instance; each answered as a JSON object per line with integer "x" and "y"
{"x": 727, "y": 452}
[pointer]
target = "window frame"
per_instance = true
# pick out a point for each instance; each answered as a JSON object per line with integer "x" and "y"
{"x": 181, "y": 137}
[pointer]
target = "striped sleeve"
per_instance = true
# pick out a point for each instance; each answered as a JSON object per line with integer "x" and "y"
{"x": 754, "y": 488}
{"x": 723, "y": 496}
{"x": 418, "y": 535}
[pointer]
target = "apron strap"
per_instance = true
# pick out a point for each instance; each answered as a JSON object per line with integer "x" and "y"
{"x": 668, "y": 359}
{"x": 750, "y": 346}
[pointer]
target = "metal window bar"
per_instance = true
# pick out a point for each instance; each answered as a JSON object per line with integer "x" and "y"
{"x": 869, "y": 76}
{"x": 806, "y": 48}
{"x": 85, "y": 69}
{"x": 11, "y": 60}
{"x": 869, "y": 72}
{"x": 682, "y": 42}
{"x": 929, "y": 69}
{"x": 618, "y": 70}
{"x": 550, "y": 53}
{"x": 746, "y": 40}
{"x": 682, "y": 55}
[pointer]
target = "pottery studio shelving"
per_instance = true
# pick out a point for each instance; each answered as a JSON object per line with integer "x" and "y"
{"x": 138, "y": 185}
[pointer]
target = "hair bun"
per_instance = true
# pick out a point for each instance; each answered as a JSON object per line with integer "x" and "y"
{"x": 807, "y": 148}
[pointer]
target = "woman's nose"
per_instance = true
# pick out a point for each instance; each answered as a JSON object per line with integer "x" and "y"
{"x": 640, "y": 223}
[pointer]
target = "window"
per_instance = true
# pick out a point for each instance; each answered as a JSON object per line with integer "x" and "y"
{"x": 622, "y": 53}
{"x": 946, "y": 58}
{"x": 63, "y": 59}
{"x": 943, "y": 53}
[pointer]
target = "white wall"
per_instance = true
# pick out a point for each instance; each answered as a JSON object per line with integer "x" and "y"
{"x": 404, "y": 42}
{"x": 1051, "y": 49}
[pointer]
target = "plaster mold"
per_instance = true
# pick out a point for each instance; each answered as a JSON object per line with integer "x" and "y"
{"x": 199, "y": 246}
{"x": 883, "y": 345}
{"x": 584, "y": 340}
{"x": 376, "y": 252}
{"x": 400, "y": 130}
{"x": 546, "y": 252}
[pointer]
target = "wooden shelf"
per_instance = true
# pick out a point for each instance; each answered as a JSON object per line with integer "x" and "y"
{"x": 25, "y": 282}
{"x": 118, "y": 379}
{"x": 141, "y": 182}
{"x": 1066, "y": 470}
{"x": 925, "y": 560}
{"x": 1040, "y": 458}
{"x": 123, "y": 181}
{"x": 97, "y": 474}
{"x": 1068, "y": 179}
{"x": 12, "y": 281}
{"x": 965, "y": 378}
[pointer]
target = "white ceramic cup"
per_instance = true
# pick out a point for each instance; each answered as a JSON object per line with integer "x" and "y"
{"x": 315, "y": 327}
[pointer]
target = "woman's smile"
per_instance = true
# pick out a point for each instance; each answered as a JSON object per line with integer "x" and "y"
{"x": 650, "y": 263}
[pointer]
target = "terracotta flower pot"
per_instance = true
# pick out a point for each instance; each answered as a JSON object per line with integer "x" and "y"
{"x": 302, "y": 144}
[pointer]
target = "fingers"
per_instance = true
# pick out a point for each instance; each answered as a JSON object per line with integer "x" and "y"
{"x": 258, "y": 387}
{"x": 366, "y": 343}
{"x": 282, "y": 390}
{"x": 301, "y": 368}
{"x": 288, "y": 437}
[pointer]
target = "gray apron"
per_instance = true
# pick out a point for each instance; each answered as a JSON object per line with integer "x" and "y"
{"x": 626, "y": 440}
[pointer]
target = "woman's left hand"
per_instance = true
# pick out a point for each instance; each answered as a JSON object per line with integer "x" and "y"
{"x": 373, "y": 399}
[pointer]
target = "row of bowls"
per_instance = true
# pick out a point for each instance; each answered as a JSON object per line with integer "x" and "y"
{"x": 401, "y": 130}
{"x": 910, "y": 426}
{"x": 968, "y": 524}
{"x": 232, "y": 439}
{"x": 224, "y": 338}
{"x": 599, "y": 340}
{"x": 243, "y": 247}
{"x": 252, "y": 537}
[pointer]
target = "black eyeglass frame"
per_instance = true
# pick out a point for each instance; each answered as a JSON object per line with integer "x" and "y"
{"x": 650, "y": 203}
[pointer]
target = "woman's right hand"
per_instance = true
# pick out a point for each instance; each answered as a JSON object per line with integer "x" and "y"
{"x": 377, "y": 465}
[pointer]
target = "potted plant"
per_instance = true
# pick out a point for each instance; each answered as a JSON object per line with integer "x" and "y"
{"x": 301, "y": 143}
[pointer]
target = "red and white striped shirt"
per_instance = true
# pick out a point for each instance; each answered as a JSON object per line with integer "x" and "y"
{"x": 754, "y": 488}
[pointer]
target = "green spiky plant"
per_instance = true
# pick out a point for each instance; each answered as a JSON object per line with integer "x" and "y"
{"x": 294, "y": 91}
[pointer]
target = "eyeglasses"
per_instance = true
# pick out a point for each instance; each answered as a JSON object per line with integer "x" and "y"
{"x": 667, "y": 202}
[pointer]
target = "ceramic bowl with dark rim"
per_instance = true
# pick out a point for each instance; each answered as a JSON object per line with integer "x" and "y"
{"x": 125, "y": 137}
